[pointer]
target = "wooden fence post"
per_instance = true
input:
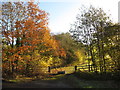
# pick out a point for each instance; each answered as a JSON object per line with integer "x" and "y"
{"x": 75, "y": 68}
{"x": 49, "y": 69}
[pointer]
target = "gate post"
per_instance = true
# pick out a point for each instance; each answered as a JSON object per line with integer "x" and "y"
{"x": 49, "y": 69}
{"x": 75, "y": 68}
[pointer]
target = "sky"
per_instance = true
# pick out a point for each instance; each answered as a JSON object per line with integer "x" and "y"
{"x": 62, "y": 13}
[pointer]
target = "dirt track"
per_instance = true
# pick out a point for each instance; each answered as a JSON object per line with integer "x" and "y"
{"x": 52, "y": 83}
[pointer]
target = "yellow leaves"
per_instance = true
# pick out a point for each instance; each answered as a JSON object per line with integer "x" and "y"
{"x": 43, "y": 61}
{"x": 50, "y": 60}
{"x": 5, "y": 59}
{"x": 36, "y": 55}
{"x": 26, "y": 57}
{"x": 108, "y": 57}
{"x": 80, "y": 55}
{"x": 42, "y": 51}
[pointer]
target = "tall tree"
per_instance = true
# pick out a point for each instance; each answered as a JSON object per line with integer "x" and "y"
{"x": 112, "y": 47}
{"x": 89, "y": 29}
{"x": 25, "y": 32}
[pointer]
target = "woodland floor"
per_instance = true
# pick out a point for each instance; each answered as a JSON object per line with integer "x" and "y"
{"x": 68, "y": 80}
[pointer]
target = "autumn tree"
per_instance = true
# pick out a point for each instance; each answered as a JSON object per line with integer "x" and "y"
{"x": 74, "y": 51}
{"x": 26, "y": 37}
{"x": 11, "y": 13}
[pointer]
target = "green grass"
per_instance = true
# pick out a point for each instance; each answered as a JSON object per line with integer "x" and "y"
{"x": 54, "y": 77}
{"x": 20, "y": 79}
{"x": 84, "y": 83}
{"x": 88, "y": 79}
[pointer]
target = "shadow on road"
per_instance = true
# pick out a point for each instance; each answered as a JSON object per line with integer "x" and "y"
{"x": 51, "y": 81}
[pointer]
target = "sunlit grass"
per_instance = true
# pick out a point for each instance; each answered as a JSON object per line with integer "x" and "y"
{"x": 56, "y": 77}
{"x": 20, "y": 79}
{"x": 88, "y": 87}
{"x": 67, "y": 70}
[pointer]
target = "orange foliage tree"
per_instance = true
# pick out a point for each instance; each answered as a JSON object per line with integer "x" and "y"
{"x": 24, "y": 34}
